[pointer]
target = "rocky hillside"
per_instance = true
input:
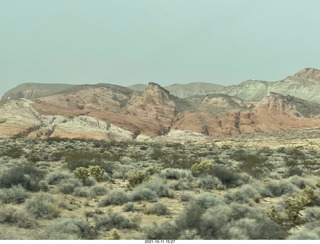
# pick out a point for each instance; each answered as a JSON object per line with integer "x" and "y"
{"x": 29, "y": 90}
{"x": 106, "y": 111}
{"x": 305, "y": 85}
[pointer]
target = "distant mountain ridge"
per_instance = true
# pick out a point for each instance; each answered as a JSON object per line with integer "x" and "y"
{"x": 105, "y": 111}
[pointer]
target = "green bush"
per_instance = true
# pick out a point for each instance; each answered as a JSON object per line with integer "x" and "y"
{"x": 90, "y": 181}
{"x": 114, "y": 198}
{"x": 13, "y": 152}
{"x": 291, "y": 216}
{"x": 176, "y": 174}
{"x": 85, "y": 158}
{"x": 281, "y": 187}
{"x": 228, "y": 177}
{"x": 67, "y": 186}
{"x": 43, "y": 205}
{"x": 81, "y": 192}
{"x": 137, "y": 178}
{"x": 160, "y": 209}
{"x": 82, "y": 174}
{"x": 252, "y": 164}
{"x": 209, "y": 182}
{"x": 55, "y": 177}
{"x": 33, "y": 158}
{"x": 113, "y": 220}
{"x": 98, "y": 190}
{"x": 166, "y": 231}
{"x": 185, "y": 197}
{"x": 69, "y": 229}
{"x": 17, "y": 218}
{"x": 182, "y": 184}
{"x": 127, "y": 207}
{"x": 26, "y": 176}
{"x": 142, "y": 193}
{"x": 156, "y": 185}
{"x": 96, "y": 172}
{"x": 203, "y": 167}
{"x": 312, "y": 216}
{"x": 243, "y": 194}
{"x": 15, "y": 194}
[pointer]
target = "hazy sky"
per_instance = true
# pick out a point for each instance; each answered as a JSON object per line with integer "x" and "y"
{"x": 166, "y": 41}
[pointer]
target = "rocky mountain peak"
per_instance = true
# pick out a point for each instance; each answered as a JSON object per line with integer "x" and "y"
{"x": 306, "y": 74}
{"x": 155, "y": 94}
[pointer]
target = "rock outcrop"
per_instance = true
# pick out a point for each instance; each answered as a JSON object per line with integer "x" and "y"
{"x": 306, "y": 75}
{"x": 106, "y": 111}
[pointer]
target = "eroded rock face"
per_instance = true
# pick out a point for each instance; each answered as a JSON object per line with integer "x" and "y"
{"x": 19, "y": 119}
{"x": 112, "y": 112}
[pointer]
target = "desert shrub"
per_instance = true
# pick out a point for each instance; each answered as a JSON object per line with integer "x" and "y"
{"x": 191, "y": 216}
{"x": 105, "y": 177}
{"x": 312, "y": 216}
{"x": 179, "y": 185}
{"x": 207, "y": 200}
{"x": 157, "y": 185}
{"x": 208, "y": 182}
{"x": 153, "y": 169}
{"x": 15, "y": 194}
{"x": 203, "y": 167}
{"x": 160, "y": 209}
{"x": 98, "y": 190}
{"x": 142, "y": 193}
{"x": 305, "y": 235}
{"x": 281, "y": 187}
{"x": 252, "y": 164}
{"x": 17, "y": 218}
{"x": 55, "y": 177}
{"x": 239, "y": 210}
{"x": 114, "y": 198}
{"x": 84, "y": 158}
{"x": 26, "y": 176}
{"x": 43, "y": 186}
{"x": 291, "y": 216}
{"x": 137, "y": 178}
{"x": 67, "y": 186}
{"x": 243, "y": 194}
{"x": 81, "y": 173}
{"x": 81, "y": 192}
{"x": 176, "y": 160}
{"x": 127, "y": 207}
{"x": 294, "y": 170}
{"x": 33, "y": 158}
{"x": 69, "y": 229}
{"x": 43, "y": 205}
{"x": 227, "y": 176}
{"x": 213, "y": 222}
{"x": 13, "y": 152}
{"x": 176, "y": 174}
{"x": 185, "y": 197}
{"x": 166, "y": 230}
{"x": 189, "y": 235}
{"x": 90, "y": 182}
{"x": 239, "y": 155}
{"x": 259, "y": 228}
{"x": 96, "y": 172}
{"x": 301, "y": 182}
{"x": 113, "y": 220}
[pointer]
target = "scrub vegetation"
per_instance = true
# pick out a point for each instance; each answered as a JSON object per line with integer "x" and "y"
{"x": 96, "y": 189}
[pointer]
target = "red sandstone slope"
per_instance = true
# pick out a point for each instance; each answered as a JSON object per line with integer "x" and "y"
{"x": 156, "y": 112}
{"x": 273, "y": 113}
